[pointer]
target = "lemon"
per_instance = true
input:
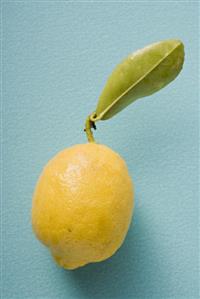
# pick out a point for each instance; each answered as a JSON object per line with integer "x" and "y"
{"x": 82, "y": 205}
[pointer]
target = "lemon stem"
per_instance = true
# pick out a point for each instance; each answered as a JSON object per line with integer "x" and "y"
{"x": 89, "y": 124}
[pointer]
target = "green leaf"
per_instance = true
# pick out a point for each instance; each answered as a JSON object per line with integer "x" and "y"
{"x": 139, "y": 75}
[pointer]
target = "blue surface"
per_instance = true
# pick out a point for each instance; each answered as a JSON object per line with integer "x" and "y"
{"x": 56, "y": 58}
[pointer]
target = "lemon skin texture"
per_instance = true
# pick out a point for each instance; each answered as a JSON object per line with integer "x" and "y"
{"x": 83, "y": 204}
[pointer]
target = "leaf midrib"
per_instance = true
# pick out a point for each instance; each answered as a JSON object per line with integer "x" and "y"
{"x": 134, "y": 84}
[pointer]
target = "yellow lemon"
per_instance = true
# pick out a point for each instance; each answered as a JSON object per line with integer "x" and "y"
{"x": 82, "y": 205}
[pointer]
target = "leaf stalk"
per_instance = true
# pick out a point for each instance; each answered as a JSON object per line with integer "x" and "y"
{"x": 89, "y": 125}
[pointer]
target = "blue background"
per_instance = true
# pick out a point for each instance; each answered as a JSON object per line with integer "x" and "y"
{"x": 56, "y": 58}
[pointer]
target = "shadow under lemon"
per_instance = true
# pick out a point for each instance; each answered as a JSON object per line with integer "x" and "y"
{"x": 129, "y": 272}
